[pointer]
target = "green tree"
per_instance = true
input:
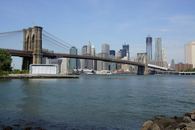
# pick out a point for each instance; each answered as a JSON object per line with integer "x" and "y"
{"x": 5, "y": 61}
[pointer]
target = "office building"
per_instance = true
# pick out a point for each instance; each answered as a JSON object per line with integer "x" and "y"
{"x": 158, "y": 52}
{"x": 190, "y": 53}
{"x": 105, "y": 54}
{"x": 164, "y": 58}
{"x": 99, "y": 63}
{"x": 93, "y": 53}
{"x": 112, "y": 52}
{"x": 183, "y": 67}
{"x": 83, "y": 61}
{"x": 112, "y": 66}
{"x": 89, "y": 62}
{"x": 65, "y": 66}
{"x": 126, "y": 51}
{"x": 73, "y": 61}
{"x": 149, "y": 48}
{"x": 172, "y": 64}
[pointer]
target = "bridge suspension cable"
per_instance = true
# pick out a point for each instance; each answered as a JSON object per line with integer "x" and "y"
{"x": 11, "y": 32}
{"x": 54, "y": 42}
{"x": 57, "y": 39}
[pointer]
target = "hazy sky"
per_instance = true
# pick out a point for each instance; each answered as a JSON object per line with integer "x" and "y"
{"x": 106, "y": 21}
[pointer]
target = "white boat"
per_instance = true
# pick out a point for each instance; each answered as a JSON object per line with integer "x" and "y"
{"x": 88, "y": 71}
{"x": 103, "y": 72}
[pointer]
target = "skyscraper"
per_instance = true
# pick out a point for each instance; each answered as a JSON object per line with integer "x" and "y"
{"x": 126, "y": 51}
{"x": 73, "y": 62}
{"x": 89, "y": 62}
{"x": 94, "y": 61}
{"x": 149, "y": 48}
{"x": 105, "y": 54}
{"x": 112, "y": 66}
{"x": 158, "y": 52}
{"x": 190, "y": 53}
{"x": 83, "y": 61}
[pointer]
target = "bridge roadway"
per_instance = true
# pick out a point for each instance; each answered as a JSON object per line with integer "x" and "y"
{"x": 22, "y": 53}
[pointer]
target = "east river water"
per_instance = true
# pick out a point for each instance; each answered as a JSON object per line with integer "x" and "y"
{"x": 94, "y": 102}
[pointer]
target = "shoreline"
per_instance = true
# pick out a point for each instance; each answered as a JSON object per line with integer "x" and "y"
{"x": 38, "y": 76}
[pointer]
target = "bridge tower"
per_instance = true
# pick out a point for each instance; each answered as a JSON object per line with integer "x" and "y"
{"x": 32, "y": 41}
{"x": 142, "y": 58}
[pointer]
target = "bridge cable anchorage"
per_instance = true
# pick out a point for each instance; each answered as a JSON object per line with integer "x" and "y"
{"x": 58, "y": 39}
{"x": 51, "y": 42}
{"x": 55, "y": 42}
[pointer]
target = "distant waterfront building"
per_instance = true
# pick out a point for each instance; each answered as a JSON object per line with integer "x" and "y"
{"x": 125, "y": 51}
{"x": 158, "y": 52}
{"x": 118, "y": 56}
{"x": 105, "y": 54}
{"x": 65, "y": 66}
{"x": 125, "y": 67}
{"x": 190, "y": 53}
{"x": 172, "y": 64}
{"x": 149, "y": 48}
{"x": 93, "y": 53}
{"x": 112, "y": 66}
{"x": 126, "y": 48}
{"x": 164, "y": 58}
{"x": 99, "y": 63}
{"x": 183, "y": 67}
{"x": 83, "y": 61}
{"x": 89, "y": 62}
{"x": 73, "y": 62}
{"x": 112, "y": 52}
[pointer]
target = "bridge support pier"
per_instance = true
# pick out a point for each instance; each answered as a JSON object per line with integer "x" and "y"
{"x": 142, "y": 70}
{"x": 32, "y": 42}
{"x": 26, "y": 63}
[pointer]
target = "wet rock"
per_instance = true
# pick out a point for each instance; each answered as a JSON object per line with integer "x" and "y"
{"x": 193, "y": 116}
{"x": 147, "y": 125}
{"x": 187, "y": 122}
{"x": 155, "y": 127}
{"x": 187, "y": 119}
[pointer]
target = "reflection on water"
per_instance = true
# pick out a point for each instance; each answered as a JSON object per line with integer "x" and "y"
{"x": 95, "y": 102}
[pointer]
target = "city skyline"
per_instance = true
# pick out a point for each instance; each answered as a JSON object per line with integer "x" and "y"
{"x": 108, "y": 22}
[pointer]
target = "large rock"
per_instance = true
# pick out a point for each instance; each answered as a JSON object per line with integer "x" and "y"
{"x": 147, "y": 125}
{"x": 187, "y": 122}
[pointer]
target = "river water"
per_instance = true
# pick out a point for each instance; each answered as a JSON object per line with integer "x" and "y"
{"x": 95, "y": 102}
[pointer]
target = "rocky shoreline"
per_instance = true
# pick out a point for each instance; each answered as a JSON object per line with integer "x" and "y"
{"x": 186, "y": 122}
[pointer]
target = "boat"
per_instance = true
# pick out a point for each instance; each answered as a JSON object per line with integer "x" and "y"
{"x": 103, "y": 72}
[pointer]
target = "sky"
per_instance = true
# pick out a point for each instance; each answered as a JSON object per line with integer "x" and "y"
{"x": 105, "y": 21}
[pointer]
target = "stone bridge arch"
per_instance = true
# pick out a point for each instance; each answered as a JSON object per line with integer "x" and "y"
{"x": 32, "y": 41}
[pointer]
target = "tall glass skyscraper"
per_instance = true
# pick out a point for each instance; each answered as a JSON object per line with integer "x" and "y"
{"x": 73, "y": 62}
{"x": 83, "y": 61}
{"x": 125, "y": 51}
{"x": 105, "y": 54}
{"x": 158, "y": 52}
{"x": 149, "y": 48}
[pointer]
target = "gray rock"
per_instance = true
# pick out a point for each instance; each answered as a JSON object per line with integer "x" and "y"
{"x": 155, "y": 127}
{"x": 187, "y": 119}
{"x": 193, "y": 116}
{"x": 147, "y": 125}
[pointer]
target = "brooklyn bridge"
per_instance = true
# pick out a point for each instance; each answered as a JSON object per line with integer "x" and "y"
{"x": 33, "y": 53}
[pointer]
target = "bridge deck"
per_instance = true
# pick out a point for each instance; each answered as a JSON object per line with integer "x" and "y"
{"x": 22, "y": 53}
